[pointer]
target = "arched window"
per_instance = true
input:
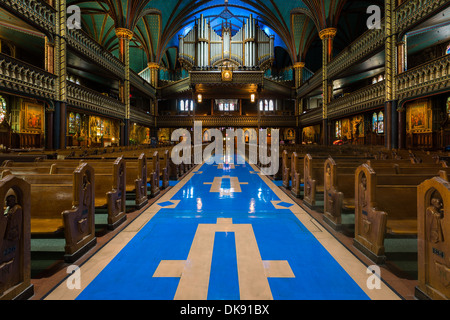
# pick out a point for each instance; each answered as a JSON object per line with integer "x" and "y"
{"x": 375, "y": 122}
{"x": 181, "y": 105}
{"x": 338, "y": 129}
{"x": 261, "y": 106}
{"x": 78, "y": 122}
{"x": 271, "y": 105}
{"x": 266, "y": 105}
{"x": 192, "y": 105}
{"x": 448, "y": 50}
{"x": 2, "y": 109}
{"x": 220, "y": 106}
{"x": 71, "y": 123}
{"x": 381, "y": 122}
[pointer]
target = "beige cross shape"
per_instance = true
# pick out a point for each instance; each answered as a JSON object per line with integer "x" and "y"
{"x": 253, "y": 272}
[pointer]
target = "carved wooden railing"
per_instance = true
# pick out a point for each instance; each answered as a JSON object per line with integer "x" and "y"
{"x": 430, "y": 77}
{"x": 21, "y": 77}
{"x": 226, "y": 121}
{"x": 358, "y": 101}
{"x": 412, "y": 12}
{"x": 84, "y": 44}
{"x": 367, "y": 44}
{"x": 311, "y": 117}
{"x": 37, "y": 12}
{"x": 82, "y": 97}
{"x": 142, "y": 85}
{"x": 142, "y": 117}
{"x": 176, "y": 87}
{"x": 239, "y": 77}
{"x": 312, "y": 83}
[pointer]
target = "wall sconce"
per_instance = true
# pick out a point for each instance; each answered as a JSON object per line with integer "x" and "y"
{"x": 252, "y": 97}
{"x": 200, "y": 98}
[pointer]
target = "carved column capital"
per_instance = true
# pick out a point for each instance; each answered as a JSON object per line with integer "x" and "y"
{"x": 328, "y": 33}
{"x": 299, "y": 65}
{"x": 123, "y": 33}
{"x": 153, "y": 65}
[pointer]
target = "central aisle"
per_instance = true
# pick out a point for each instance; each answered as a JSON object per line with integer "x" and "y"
{"x": 224, "y": 232}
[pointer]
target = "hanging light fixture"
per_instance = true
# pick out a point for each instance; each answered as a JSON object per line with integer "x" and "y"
{"x": 200, "y": 98}
{"x": 252, "y": 97}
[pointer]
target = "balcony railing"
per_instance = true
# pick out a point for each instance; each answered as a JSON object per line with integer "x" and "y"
{"x": 36, "y": 11}
{"x": 311, "y": 117}
{"x": 427, "y": 78}
{"x": 90, "y": 100}
{"x": 412, "y": 12}
{"x": 178, "y": 121}
{"x": 364, "y": 46}
{"x": 358, "y": 101}
{"x": 87, "y": 46}
{"x": 21, "y": 77}
{"x": 142, "y": 117}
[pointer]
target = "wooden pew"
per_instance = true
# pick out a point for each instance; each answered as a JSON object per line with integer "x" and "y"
{"x": 15, "y": 258}
{"x": 135, "y": 177}
{"x": 164, "y": 167}
{"x": 286, "y": 168}
{"x": 297, "y": 173}
{"x": 384, "y": 205}
{"x": 339, "y": 193}
{"x": 433, "y": 217}
{"x": 64, "y": 203}
{"x": 153, "y": 172}
{"x": 110, "y": 189}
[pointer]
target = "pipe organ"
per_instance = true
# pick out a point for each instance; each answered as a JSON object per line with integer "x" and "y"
{"x": 249, "y": 47}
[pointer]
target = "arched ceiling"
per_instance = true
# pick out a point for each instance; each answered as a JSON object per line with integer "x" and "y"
{"x": 157, "y": 23}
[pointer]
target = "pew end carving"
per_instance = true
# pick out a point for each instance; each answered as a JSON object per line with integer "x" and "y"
{"x": 15, "y": 243}
{"x": 433, "y": 205}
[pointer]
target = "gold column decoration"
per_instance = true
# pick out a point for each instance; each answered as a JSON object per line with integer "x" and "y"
{"x": 154, "y": 68}
{"x": 298, "y": 72}
{"x": 390, "y": 52}
{"x": 326, "y": 35}
{"x": 124, "y": 35}
{"x": 390, "y": 110}
{"x": 49, "y": 56}
{"x": 60, "y": 63}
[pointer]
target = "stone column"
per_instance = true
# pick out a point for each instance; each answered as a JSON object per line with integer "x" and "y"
{"x": 390, "y": 114}
{"x": 154, "y": 69}
{"x": 326, "y": 35}
{"x": 125, "y": 35}
{"x": 298, "y": 73}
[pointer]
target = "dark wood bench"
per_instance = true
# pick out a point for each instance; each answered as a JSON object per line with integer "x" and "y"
{"x": 164, "y": 167}
{"x": 15, "y": 258}
{"x": 110, "y": 189}
{"x": 64, "y": 204}
{"x": 385, "y": 204}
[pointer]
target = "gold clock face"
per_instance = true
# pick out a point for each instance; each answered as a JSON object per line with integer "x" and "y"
{"x": 227, "y": 75}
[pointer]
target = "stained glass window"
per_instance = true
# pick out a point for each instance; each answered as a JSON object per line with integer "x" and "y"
{"x": 381, "y": 122}
{"x": 71, "y": 123}
{"x": 78, "y": 122}
{"x": 182, "y": 105}
{"x": 338, "y": 129}
{"x": 271, "y": 105}
{"x": 261, "y": 106}
{"x": 2, "y": 109}
{"x": 192, "y": 105}
{"x": 375, "y": 123}
{"x": 448, "y": 50}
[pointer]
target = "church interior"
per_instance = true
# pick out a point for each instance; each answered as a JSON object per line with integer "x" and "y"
{"x": 349, "y": 100}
